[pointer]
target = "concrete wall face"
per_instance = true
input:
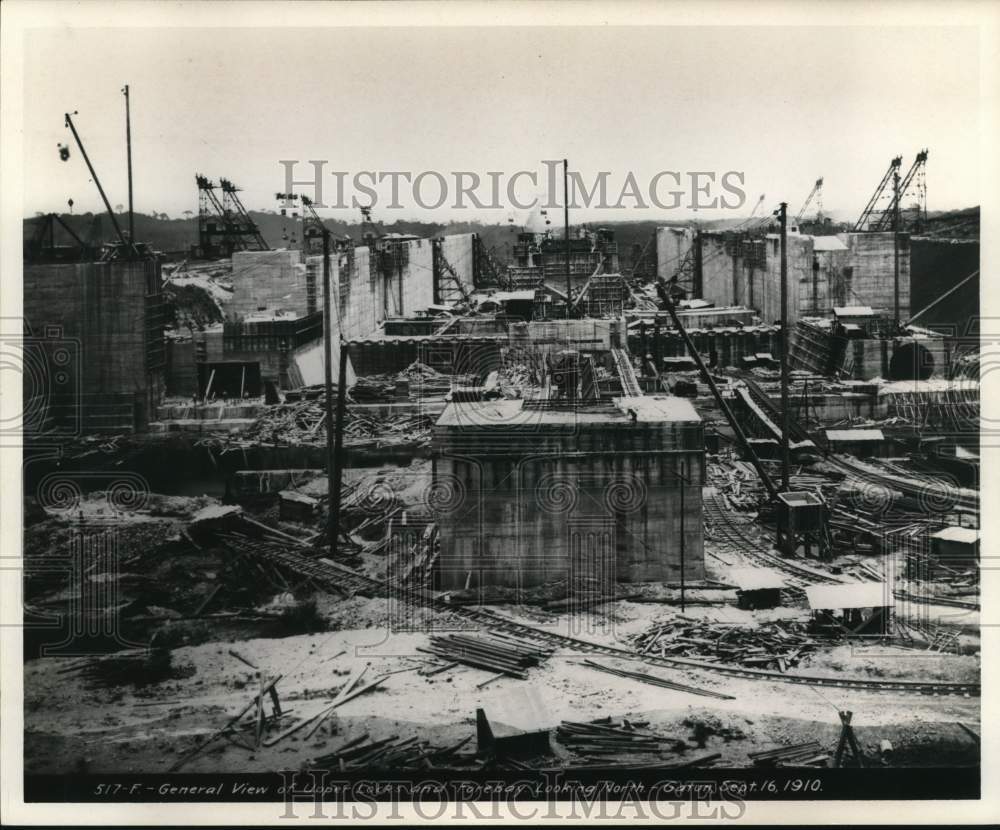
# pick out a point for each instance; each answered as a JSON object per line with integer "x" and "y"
{"x": 268, "y": 281}
{"x": 100, "y": 310}
{"x": 817, "y": 280}
{"x": 717, "y": 273}
{"x": 870, "y": 280}
{"x": 825, "y": 289}
{"x": 417, "y": 278}
{"x": 459, "y": 250}
{"x": 359, "y": 293}
{"x": 587, "y": 502}
{"x": 672, "y": 244}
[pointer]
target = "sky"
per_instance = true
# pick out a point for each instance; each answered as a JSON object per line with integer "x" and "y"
{"x": 781, "y": 105}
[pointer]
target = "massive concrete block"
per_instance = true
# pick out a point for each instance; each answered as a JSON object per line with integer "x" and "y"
{"x": 107, "y": 315}
{"x": 870, "y": 278}
{"x": 528, "y": 494}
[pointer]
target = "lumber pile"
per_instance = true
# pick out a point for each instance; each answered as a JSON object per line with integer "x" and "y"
{"x": 808, "y": 754}
{"x": 775, "y": 645}
{"x": 605, "y": 737}
{"x": 496, "y": 653}
{"x": 374, "y": 389}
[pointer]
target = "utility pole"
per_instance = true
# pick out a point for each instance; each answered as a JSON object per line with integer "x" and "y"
{"x": 783, "y": 216}
{"x": 683, "y": 477}
{"x": 566, "y": 225}
{"x": 334, "y": 427}
{"x": 128, "y": 145}
{"x": 895, "y": 245}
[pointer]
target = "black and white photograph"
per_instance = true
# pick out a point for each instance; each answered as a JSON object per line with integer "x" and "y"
{"x": 463, "y": 412}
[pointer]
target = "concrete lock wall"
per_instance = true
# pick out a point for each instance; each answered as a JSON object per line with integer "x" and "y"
{"x": 672, "y": 245}
{"x": 584, "y": 502}
{"x": 359, "y": 295}
{"x": 459, "y": 250}
{"x": 418, "y": 277}
{"x": 98, "y": 310}
{"x": 817, "y": 280}
{"x": 871, "y": 277}
{"x": 717, "y": 274}
{"x": 101, "y": 304}
{"x": 268, "y": 281}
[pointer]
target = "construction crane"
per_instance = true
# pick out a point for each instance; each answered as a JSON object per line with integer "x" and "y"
{"x": 914, "y": 178}
{"x": 126, "y": 245}
{"x": 753, "y": 212}
{"x": 817, "y": 194}
{"x": 864, "y": 221}
{"x": 226, "y": 220}
{"x": 245, "y": 226}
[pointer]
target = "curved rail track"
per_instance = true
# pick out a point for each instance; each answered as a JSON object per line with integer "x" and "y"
{"x": 799, "y": 577}
{"x": 339, "y": 577}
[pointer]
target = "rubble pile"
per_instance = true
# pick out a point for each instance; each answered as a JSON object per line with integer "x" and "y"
{"x": 302, "y": 423}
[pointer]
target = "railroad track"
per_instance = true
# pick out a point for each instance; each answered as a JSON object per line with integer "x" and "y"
{"x": 331, "y": 575}
{"x": 727, "y": 530}
{"x": 720, "y": 515}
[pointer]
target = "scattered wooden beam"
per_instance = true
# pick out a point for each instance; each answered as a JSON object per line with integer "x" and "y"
{"x": 656, "y": 681}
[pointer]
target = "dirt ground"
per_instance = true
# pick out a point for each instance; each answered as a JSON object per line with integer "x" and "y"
{"x": 186, "y": 593}
{"x": 70, "y": 726}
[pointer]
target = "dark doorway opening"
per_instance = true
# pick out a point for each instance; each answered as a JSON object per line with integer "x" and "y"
{"x": 911, "y": 361}
{"x": 229, "y": 379}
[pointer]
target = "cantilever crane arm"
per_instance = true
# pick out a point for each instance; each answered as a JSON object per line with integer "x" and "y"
{"x": 897, "y": 200}
{"x": 663, "y": 291}
{"x": 882, "y": 185}
{"x": 809, "y": 198}
{"x": 97, "y": 181}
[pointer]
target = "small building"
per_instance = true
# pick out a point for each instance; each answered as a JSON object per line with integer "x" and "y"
{"x": 955, "y": 547}
{"x": 864, "y": 443}
{"x": 757, "y": 587}
{"x": 858, "y": 609}
{"x": 858, "y": 320}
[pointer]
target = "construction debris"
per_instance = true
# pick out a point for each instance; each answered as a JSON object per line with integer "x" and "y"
{"x": 388, "y": 753}
{"x": 138, "y": 667}
{"x": 778, "y": 645}
{"x": 604, "y": 737}
{"x": 808, "y": 754}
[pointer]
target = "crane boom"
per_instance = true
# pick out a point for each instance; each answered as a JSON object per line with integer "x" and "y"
{"x": 812, "y": 193}
{"x": 866, "y": 214}
{"x": 664, "y": 292}
{"x": 918, "y": 164}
